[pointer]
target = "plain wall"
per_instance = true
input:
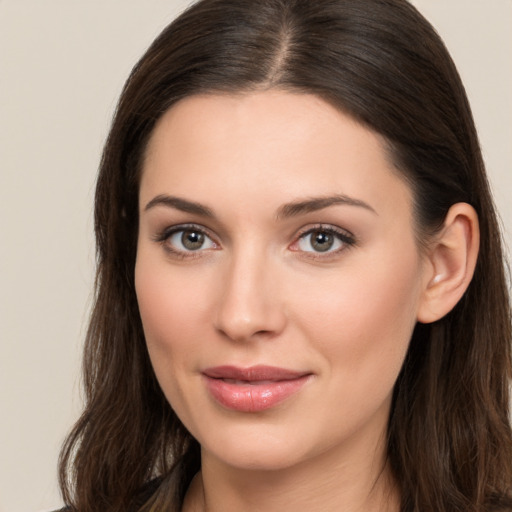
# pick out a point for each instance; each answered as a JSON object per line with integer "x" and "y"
{"x": 62, "y": 66}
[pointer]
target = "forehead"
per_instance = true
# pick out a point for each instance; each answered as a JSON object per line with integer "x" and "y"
{"x": 270, "y": 146}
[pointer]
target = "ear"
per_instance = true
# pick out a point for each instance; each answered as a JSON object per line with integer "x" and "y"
{"x": 451, "y": 260}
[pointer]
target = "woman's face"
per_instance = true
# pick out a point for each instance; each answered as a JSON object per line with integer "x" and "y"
{"x": 277, "y": 276}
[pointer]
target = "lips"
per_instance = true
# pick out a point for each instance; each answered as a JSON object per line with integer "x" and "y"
{"x": 253, "y": 389}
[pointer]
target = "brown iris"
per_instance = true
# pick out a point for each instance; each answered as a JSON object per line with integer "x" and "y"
{"x": 321, "y": 241}
{"x": 192, "y": 240}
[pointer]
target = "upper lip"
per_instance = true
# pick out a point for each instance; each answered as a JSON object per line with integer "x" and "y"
{"x": 253, "y": 373}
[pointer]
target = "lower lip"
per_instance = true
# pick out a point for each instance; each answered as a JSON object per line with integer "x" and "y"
{"x": 255, "y": 396}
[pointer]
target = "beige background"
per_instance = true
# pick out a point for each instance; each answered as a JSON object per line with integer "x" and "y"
{"x": 62, "y": 65}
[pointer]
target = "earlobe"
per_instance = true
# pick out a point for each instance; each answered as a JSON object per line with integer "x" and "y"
{"x": 452, "y": 259}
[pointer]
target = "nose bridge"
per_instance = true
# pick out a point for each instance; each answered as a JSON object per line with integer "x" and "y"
{"x": 248, "y": 303}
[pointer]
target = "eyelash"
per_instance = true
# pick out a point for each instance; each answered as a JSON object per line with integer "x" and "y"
{"x": 346, "y": 238}
{"x": 164, "y": 236}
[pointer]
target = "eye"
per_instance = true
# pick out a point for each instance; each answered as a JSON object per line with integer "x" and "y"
{"x": 190, "y": 240}
{"x": 323, "y": 240}
{"x": 186, "y": 239}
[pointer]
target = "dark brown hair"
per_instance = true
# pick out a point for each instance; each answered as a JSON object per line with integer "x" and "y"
{"x": 449, "y": 441}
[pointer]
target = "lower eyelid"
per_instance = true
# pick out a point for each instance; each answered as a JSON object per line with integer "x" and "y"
{"x": 336, "y": 237}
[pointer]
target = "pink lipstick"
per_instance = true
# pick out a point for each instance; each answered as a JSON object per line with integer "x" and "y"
{"x": 252, "y": 389}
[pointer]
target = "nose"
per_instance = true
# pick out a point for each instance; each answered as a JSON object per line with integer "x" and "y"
{"x": 249, "y": 305}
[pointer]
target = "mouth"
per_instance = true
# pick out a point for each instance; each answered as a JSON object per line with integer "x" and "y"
{"x": 253, "y": 389}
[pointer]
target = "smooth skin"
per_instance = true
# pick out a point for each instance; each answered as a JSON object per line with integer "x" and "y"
{"x": 274, "y": 230}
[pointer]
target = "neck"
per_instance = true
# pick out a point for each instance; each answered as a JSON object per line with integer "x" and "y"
{"x": 352, "y": 482}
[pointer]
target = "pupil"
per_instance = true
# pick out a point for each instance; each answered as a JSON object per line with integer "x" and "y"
{"x": 322, "y": 241}
{"x": 192, "y": 240}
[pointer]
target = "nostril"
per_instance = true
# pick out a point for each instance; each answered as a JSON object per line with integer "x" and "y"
{"x": 263, "y": 333}
{"x": 246, "y": 332}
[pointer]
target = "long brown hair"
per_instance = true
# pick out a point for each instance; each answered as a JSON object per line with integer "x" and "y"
{"x": 449, "y": 435}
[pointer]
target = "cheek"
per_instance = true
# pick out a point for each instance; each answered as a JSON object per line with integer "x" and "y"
{"x": 171, "y": 308}
{"x": 164, "y": 307}
{"x": 362, "y": 319}
{"x": 171, "y": 299}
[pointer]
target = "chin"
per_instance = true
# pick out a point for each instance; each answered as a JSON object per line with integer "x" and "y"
{"x": 259, "y": 460}
{"x": 254, "y": 449}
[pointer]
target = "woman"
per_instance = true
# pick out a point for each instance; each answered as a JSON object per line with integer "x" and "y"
{"x": 301, "y": 300}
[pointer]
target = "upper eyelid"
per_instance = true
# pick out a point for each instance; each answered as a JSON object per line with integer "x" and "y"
{"x": 169, "y": 230}
{"x": 325, "y": 227}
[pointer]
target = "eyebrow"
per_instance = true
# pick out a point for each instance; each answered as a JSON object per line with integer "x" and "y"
{"x": 288, "y": 210}
{"x": 314, "y": 204}
{"x": 179, "y": 204}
